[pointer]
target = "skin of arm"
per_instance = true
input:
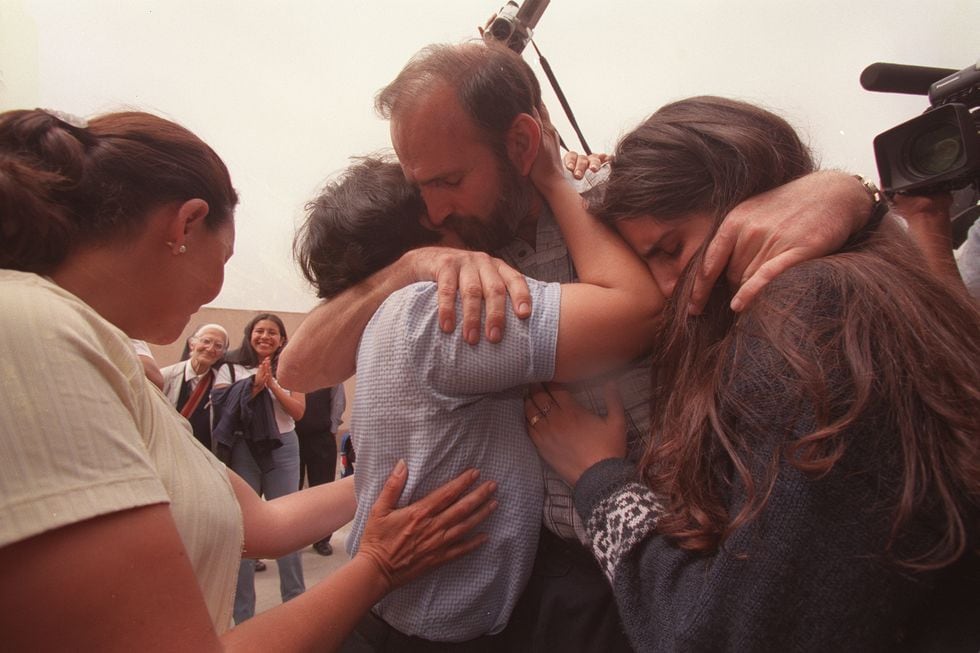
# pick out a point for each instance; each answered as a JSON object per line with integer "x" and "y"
{"x": 151, "y": 370}
{"x": 60, "y": 593}
{"x": 607, "y": 318}
{"x": 294, "y": 403}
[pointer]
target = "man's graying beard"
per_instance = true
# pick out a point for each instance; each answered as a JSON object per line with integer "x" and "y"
{"x": 500, "y": 227}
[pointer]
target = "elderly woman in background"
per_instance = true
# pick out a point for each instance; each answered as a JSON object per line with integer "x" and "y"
{"x": 188, "y": 383}
{"x": 121, "y": 229}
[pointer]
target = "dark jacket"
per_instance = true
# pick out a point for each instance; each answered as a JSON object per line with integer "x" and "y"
{"x": 238, "y": 415}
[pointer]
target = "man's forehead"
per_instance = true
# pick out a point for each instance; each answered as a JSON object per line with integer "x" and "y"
{"x": 433, "y": 145}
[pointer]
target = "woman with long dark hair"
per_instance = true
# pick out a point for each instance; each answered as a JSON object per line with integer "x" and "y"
{"x": 257, "y": 359}
{"x": 812, "y": 478}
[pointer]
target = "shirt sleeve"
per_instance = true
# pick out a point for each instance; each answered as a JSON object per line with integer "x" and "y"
{"x": 452, "y": 366}
{"x": 70, "y": 445}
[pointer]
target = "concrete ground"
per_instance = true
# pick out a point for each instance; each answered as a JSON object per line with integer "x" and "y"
{"x": 315, "y": 568}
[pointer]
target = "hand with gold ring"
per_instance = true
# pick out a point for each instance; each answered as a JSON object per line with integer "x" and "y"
{"x": 542, "y": 411}
{"x": 570, "y": 438}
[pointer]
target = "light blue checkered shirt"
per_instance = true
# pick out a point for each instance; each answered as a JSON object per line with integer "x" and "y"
{"x": 549, "y": 260}
{"x": 445, "y": 406}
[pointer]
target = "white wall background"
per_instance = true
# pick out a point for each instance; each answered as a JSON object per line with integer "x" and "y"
{"x": 284, "y": 90}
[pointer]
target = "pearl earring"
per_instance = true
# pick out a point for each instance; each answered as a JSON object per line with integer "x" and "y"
{"x": 182, "y": 249}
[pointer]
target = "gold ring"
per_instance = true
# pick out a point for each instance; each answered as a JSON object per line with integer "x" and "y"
{"x": 547, "y": 408}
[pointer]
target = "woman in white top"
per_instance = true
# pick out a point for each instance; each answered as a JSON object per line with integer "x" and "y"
{"x": 257, "y": 356}
{"x": 120, "y": 229}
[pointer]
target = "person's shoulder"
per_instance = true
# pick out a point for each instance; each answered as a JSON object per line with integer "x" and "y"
{"x": 25, "y": 296}
{"x": 408, "y": 304}
{"x": 34, "y": 307}
{"x": 174, "y": 370}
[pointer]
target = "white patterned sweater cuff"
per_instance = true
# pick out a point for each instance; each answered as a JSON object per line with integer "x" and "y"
{"x": 619, "y": 522}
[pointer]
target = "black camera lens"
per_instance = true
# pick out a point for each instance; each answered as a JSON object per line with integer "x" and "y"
{"x": 501, "y": 29}
{"x": 936, "y": 150}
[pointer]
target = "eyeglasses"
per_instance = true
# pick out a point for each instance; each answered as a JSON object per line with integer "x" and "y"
{"x": 208, "y": 343}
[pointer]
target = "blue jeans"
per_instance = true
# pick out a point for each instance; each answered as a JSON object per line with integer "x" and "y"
{"x": 281, "y": 480}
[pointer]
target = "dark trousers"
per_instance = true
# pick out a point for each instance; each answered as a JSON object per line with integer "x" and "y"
{"x": 317, "y": 457}
{"x": 373, "y": 635}
{"x": 567, "y": 605}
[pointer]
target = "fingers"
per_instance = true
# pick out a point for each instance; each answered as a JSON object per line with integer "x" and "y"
{"x": 471, "y": 296}
{"x": 464, "y": 515}
{"x": 447, "y": 280}
{"x": 577, "y": 163}
{"x": 392, "y": 489}
{"x": 570, "y": 159}
{"x": 442, "y": 497}
{"x": 520, "y": 294}
{"x": 763, "y": 275}
{"x": 715, "y": 259}
{"x": 494, "y": 291}
{"x": 544, "y": 399}
{"x": 480, "y": 281}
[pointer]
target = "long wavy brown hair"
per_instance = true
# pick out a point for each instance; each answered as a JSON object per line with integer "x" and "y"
{"x": 864, "y": 339}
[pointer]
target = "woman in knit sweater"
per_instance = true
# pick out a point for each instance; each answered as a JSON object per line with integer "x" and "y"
{"x": 812, "y": 478}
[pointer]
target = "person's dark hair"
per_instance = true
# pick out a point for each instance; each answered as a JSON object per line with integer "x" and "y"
{"x": 360, "y": 223}
{"x": 700, "y": 154}
{"x": 246, "y": 354}
{"x": 62, "y": 185}
{"x": 866, "y": 338}
{"x": 493, "y": 85}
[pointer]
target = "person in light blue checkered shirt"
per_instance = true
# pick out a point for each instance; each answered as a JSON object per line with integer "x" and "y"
{"x": 444, "y": 405}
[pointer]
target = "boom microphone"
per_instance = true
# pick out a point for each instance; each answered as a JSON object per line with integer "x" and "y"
{"x": 899, "y": 78}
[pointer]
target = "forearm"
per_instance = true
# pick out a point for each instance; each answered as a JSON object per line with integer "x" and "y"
{"x": 320, "y": 618}
{"x": 294, "y": 403}
{"x": 601, "y": 257}
{"x": 616, "y": 293}
{"x": 288, "y": 523}
{"x": 323, "y": 349}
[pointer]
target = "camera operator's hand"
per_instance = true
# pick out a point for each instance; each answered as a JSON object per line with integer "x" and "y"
{"x": 577, "y": 163}
{"x": 928, "y": 218}
{"x": 767, "y": 234}
{"x": 478, "y": 278}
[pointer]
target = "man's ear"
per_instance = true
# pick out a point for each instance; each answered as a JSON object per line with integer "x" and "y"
{"x": 523, "y": 141}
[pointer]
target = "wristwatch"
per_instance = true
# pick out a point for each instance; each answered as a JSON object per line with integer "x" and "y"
{"x": 879, "y": 205}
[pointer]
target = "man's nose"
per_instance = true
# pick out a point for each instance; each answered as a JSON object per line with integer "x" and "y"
{"x": 437, "y": 205}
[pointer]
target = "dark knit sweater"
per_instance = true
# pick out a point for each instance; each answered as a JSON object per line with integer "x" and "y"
{"x": 808, "y": 574}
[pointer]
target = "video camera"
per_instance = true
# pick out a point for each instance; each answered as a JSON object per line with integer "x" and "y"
{"x": 939, "y": 150}
{"x": 513, "y": 25}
